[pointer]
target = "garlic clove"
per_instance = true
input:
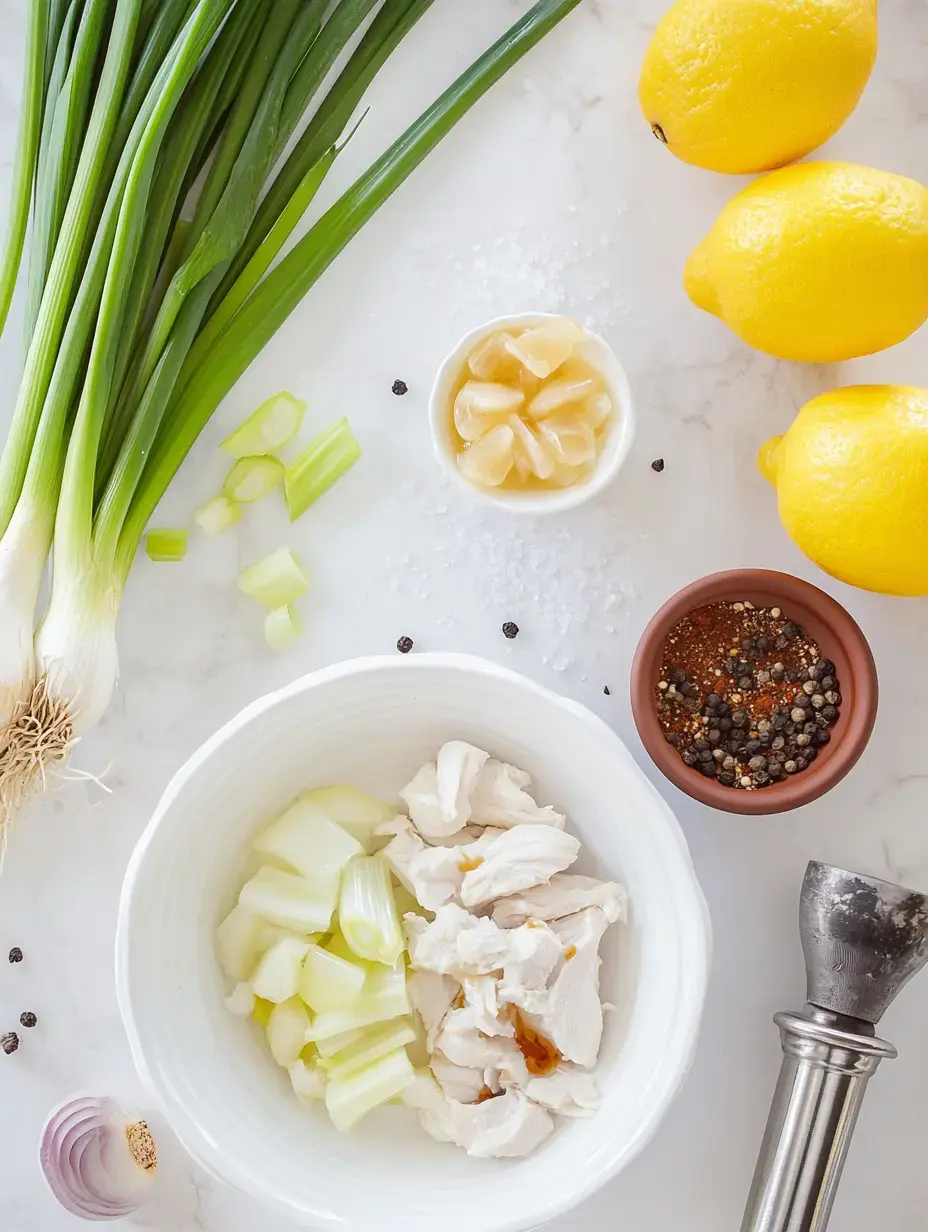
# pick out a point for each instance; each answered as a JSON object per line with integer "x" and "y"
{"x": 539, "y": 456}
{"x": 490, "y": 361}
{"x": 558, "y": 394}
{"x": 487, "y": 461}
{"x": 544, "y": 349}
{"x": 595, "y": 410}
{"x": 570, "y": 440}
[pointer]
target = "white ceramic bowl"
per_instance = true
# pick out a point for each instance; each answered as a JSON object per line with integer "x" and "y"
{"x": 597, "y": 352}
{"x": 372, "y": 722}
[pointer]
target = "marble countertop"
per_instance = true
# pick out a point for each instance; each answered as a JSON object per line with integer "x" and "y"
{"x": 552, "y": 194}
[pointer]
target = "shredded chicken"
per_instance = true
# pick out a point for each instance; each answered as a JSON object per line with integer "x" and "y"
{"x": 500, "y": 798}
{"x": 566, "y": 1090}
{"x": 432, "y": 996}
{"x": 507, "y": 1126}
{"x": 438, "y": 797}
{"x": 565, "y": 894}
{"x": 517, "y": 859}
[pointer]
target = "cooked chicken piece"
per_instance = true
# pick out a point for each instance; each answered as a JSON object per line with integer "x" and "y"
{"x": 460, "y": 944}
{"x": 432, "y": 875}
{"x": 438, "y": 797}
{"x": 516, "y": 860}
{"x": 569, "y": 1013}
{"x": 505, "y": 1127}
{"x": 564, "y": 894}
{"x": 459, "y": 1082}
{"x": 432, "y": 996}
{"x": 566, "y": 1090}
{"x": 461, "y": 1042}
{"x": 480, "y": 995}
{"x": 534, "y": 952}
{"x": 499, "y": 798}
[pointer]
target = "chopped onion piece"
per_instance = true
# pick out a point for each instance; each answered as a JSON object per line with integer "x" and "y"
{"x": 596, "y": 410}
{"x": 490, "y": 361}
{"x": 275, "y": 581}
{"x": 282, "y": 627}
{"x": 166, "y": 545}
{"x": 218, "y": 514}
{"x": 355, "y": 811}
{"x": 273, "y": 424}
{"x": 570, "y": 440}
{"x": 373, "y": 1044}
{"x": 286, "y": 1031}
{"x": 544, "y": 349}
{"x": 560, "y": 394}
{"x": 328, "y": 982}
{"x": 383, "y": 997}
{"x": 350, "y": 1098}
{"x": 310, "y": 842}
{"x": 488, "y": 461}
{"x": 251, "y": 478}
{"x": 289, "y": 900}
{"x": 536, "y": 451}
{"x": 367, "y": 912}
{"x": 323, "y": 461}
{"x": 308, "y": 1082}
{"x": 278, "y": 975}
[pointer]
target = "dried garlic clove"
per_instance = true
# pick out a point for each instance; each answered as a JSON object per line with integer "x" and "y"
{"x": 544, "y": 349}
{"x": 539, "y": 456}
{"x": 490, "y": 361}
{"x": 488, "y": 461}
{"x": 570, "y": 440}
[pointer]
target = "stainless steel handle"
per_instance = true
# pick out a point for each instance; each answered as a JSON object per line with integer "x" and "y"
{"x": 822, "y": 1082}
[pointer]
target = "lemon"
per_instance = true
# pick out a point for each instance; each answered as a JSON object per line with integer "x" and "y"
{"x": 851, "y": 477}
{"x": 749, "y": 85}
{"x": 818, "y": 262}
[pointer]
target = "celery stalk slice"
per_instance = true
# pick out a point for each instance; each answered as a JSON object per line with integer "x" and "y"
{"x": 373, "y": 1044}
{"x": 279, "y": 971}
{"x": 282, "y": 627}
{"x": 286, "y": 1031}
{"x": 164, "y": 545}
{"x": 383, "y": 997}
{"x": 272, "y": 425}
{"x": 251, "y": 478}
{"x": 328, "y": 982}
{"x": 350, "y": 1098}
{"x": 275, "y": 581}
{"x": 335, "y": 1043}
{"x": 323, "y": 461}
{"x": 367, "y": 912}
{"x": 288, "y": 900}
{"x": 355, "y": 811}
{"x": 303, "y": 837}
{"x": 217, "y": 515}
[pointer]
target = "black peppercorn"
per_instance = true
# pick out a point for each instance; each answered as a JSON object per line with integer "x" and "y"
{"x": 657, "y": 465}
{"x": 752, "y": 747}
{"x": 700, "y": 745}
{"x": 28, "y": 1019}
{"x": 791, "y": 631}
{"x": 677, "y": 676}
{"x": 510, "y": 629}
{"x": 9, "y": 1042}
{"x": 739, "y": 719}
{"x": 828, "y": 668}
{"x": 607, "y": 690}
{"x": 404, "y": 645}
{"x": 714, "y": 736}
{"x": 707, "y": 768}
{"x": 725, "y": 726}
{"x": 16, "y": 954}
{"x": 727, "y": 779}
{"x": 761, "y": 778}
{"x": 399, "y": 388}
{"x": 672, "y": 738}
{"x": 690, "y": 757}
{"x": 828, "y": 713}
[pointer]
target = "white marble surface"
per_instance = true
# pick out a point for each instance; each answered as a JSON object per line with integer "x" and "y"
{"x": 551, "y": 194}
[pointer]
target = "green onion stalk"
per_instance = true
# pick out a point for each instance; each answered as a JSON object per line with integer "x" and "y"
{"x": 151, "y": 298}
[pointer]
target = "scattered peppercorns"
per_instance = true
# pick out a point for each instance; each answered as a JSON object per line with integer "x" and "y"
{"x": 657, "y": 465}
{"x": 510, "y": 629}
{"x": 28, "y": 1019}
{"x": 607, "y": 690}
{"x": 9, "y": 1042}
{"x": 400, "y": 388}
{"x": 16, "y": 954}
{"x": 404, "y": 645}
{"x": 744, "y": 695}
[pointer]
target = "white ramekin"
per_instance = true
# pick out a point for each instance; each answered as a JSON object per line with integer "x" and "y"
{"x": 373, "y": 722}
{"x": 597, "y": 352}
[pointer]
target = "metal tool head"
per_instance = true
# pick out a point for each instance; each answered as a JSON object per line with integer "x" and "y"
{"x": 863, "y": 939}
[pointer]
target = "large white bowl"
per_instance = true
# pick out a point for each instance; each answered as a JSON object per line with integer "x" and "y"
{"x": 372, "y": 722}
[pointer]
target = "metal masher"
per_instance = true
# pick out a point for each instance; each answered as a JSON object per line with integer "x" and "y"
{"x": 863, "y": 939}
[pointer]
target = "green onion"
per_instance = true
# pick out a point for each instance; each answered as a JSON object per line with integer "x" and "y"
{"x": 218, "y": 514}
{"x": 282, "y": 628}
{"x": 349, "y": 1098}
{"x": 367, "y": 914}
{"x": 275, "y": 581}
{"x": 251, "y": 478}
{"x": 166, "y": 545}
{"x": 273, "y": 424}
{"x": 324, "y": 460}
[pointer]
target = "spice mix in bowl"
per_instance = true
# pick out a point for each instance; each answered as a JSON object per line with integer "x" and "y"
{"x": 754, "y": 691}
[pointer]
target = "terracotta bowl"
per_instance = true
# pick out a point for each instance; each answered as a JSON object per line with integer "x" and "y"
{"x": 839, "y": 638}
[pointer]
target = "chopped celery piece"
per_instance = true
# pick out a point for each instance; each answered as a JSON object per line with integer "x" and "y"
{"x": 218, "y": 514}
{"x": 305, "y": 838}
{"x": 359, "y": 813}
{"x": 308, "y": 1082}
{"x": 339, "y": 946}
{"x": 278, "y": 975}
{"x": 373, "y": 1045}
{"x": 275, "y": 581}
{"x": 251, "y": 478}
{"x": 286, "y": 1031}
{"x": 335, "y": 1043}
{"x": 262, "y": 1012}
{"x": 367, "y": 912}
{"x": 282, "y": 627}
{"x": 164, "y": 544}
{"x": 383, "y": 997}
{"x": 273, "y": 424}
{"x": 238, "y": 943}
{"x": 328, "y": 982}
{"x": 288, "y": 900}
{"x": 323, "y": 461}
{"x": 350, "y": 1098}
{"x": 241, "y": 1001}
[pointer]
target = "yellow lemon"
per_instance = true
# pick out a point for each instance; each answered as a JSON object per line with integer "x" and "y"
{"x": 851, "y": 477}
{"x": 818, "y": 262}
{"x": 749, "y": 85}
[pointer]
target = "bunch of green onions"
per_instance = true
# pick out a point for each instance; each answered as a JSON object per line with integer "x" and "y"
{"x": 153, "y": 171}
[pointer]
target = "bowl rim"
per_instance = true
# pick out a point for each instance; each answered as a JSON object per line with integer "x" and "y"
{"x": 819, "y": 778}
{"x": 610, "y": 461}
{"x": 697, "y": 938}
